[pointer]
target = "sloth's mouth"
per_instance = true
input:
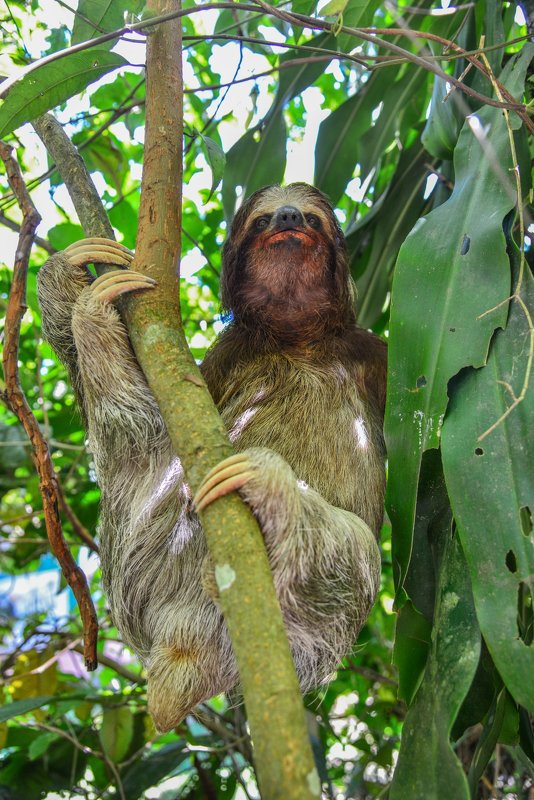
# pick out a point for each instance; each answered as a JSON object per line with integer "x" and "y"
{"x": 289, "y": 234}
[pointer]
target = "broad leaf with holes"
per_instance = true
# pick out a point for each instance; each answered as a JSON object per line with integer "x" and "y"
{"x": 452, "y": 269}
{"x": 491, "y": 487}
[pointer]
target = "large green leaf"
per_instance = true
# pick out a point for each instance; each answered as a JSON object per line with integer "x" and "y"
{"x": 451, "y": 270}
{"x": 46, "y": 86}
{"x": 428, "y": 768}
{"x": 116, "y": 732}
{"x": 357, "y": 14}
{"x": 149, "y": 771}
{"x": 387, "y": 226}
{"x": 400, "y": 97}
{"x": 491, "y": 485}
{"x": 95, "y": 17}
{"x": 443, "y": 124}
{"x": 256, "y": 160}
{"x": 414, "y": 623}
{"x": 259, "y": 157}
{"x": 295, "y": 80}
{"x": 336, "y": 152}
{"x": 347, "y": 137}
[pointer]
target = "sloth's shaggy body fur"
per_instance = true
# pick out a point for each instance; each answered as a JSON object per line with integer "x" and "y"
{"x": 300, "y": 389}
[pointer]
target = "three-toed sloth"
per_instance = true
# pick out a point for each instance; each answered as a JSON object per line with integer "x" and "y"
{"x": 300, "y": 388}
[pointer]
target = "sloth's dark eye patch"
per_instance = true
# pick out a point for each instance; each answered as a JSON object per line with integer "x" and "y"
{"x": 313, "y": 221}
{"x": 262, "y": 222}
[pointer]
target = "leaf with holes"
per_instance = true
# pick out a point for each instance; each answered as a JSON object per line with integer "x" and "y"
{"x": 452, "y": 268}
{"x": 491, "y": 488}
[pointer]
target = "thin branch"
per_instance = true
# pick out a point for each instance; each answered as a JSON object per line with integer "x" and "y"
{"x": 370, "y": 35}
{"x": 117, "y": 667}
{"x": 83, "y": 191}
{"x": 14, "y": 226}
{"x": 140, "y": 27}
{"x": 19, "y": 405}
{"x": 79, "y": 529}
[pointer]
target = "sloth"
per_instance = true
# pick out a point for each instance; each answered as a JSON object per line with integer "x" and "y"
{"x": 301, "y": 391}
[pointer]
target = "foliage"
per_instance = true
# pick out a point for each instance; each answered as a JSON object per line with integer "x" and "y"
{"x": 407, "y": 161}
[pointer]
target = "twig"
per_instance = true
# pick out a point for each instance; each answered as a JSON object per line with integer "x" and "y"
{"x": 117, "y": 667}
{"x": 79, "y": 529}
{"x": 14, "y": 226}
{"x": 18, "y": 404}
{"x": 370, "y": 35}
{"x": 83, "y": 191}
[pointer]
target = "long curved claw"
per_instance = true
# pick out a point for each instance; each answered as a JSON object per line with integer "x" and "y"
{"x": 228, "y": 476}
{"x": 108, "y": 287}
{"x": 102, "y": 251}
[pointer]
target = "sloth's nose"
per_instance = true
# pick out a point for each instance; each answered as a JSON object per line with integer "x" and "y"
{"x": 288, "y": 217}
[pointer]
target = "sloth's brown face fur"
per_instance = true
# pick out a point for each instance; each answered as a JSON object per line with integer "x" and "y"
{"x": 285, "y": 266}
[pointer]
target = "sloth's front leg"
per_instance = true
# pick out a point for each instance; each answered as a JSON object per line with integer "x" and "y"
{"x": 265, "y": 481}
{"x": 123, "y": 417}
{"x": 60, "y": 282}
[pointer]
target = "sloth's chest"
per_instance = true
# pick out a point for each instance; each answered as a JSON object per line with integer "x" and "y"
{"x": 316, "y": 421}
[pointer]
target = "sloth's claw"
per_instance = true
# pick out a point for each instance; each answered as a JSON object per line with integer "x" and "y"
{"x": 108, "y": 287}
{"x": 228, "y": 476}
{"x": 100, "y": 251}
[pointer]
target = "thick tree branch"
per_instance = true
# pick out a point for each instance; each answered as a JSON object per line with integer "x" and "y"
{"x": 276, "y": 716}
{"x": 18, "y": 404}
{"x": 74, "y": 173}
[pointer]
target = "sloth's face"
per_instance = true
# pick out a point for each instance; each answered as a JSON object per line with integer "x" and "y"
{"x": 285, "y": 259}
{"x": 293, "y": 216}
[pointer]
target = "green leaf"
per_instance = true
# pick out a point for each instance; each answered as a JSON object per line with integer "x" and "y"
{"x": 452, "y": 268}
{"x": 60, "y": 236}
{"x": 255, "y": 161}
{"x": 13, "y": 452}
{"x": 19, "y": 707}
{"x": 95, "y": 17}
{"x": 334, "y": 7}
{"x": 46, "y": 86}
{"x": 443, "y": 124}
{"x": 336, "y": 151}
{"x": 40, "y": 745}
{"x": 503, "y": 711}
{"x": 385, "y": 228}
{"x": 427, "y": 768}
{"x": 412, "y": 642}
{"x": 397, "y": 101}
{"x": 358, "y": 13}
{"x": 294, "y": 80}
{"x": 150, "y": 771}
{"x": 216, "y": 159}
{"x": 116, "y": 732}
{"x": 491, "y": 484}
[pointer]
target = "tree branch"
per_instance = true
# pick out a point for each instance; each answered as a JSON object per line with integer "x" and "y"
{"x": 18, "y": 404}
{"x": 283, "y": 756}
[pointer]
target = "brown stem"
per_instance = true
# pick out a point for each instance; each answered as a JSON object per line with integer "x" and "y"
{"x": 79, "y": 529}
{"x": 17, "y": 402}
